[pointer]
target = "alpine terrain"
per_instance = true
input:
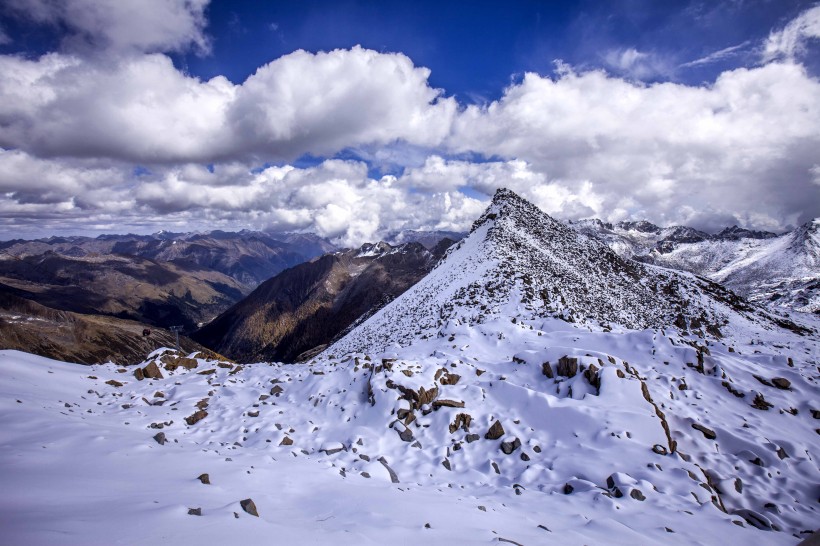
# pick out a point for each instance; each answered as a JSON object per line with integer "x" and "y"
{"x": 533, "y": 388}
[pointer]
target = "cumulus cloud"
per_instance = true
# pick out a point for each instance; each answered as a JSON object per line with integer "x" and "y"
{"x": 792, "y": 39}
{"x": 121, "y": 25}
{"x": 142, "y": 109}
{"x": 743, "y": 144}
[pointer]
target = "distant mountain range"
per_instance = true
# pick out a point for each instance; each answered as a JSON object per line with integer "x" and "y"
{"x": 780, "y": 270}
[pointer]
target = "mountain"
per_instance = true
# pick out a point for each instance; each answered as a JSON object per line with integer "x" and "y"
{"x": 74, "y": 337}
{"x": 306, "y": 306}
{"x": 517, "y": 258}
{"x": 782, "y": 271}
{"x": 130, "y": 287}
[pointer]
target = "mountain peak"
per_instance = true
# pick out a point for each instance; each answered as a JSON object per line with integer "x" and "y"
{"x": 519, "y": 262}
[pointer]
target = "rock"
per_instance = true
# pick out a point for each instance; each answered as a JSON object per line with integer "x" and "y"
{"x": 537, "y": 449}
{"x": 782, "y": 383}
{"x": 637, "y": 495}
{"x": 496, "y": 431}
{"x": 408, "y": 373}
{"x": 472, "y": 438}
{"x": 171, "y": 362}
{"x": 568, "y": 489}
{"x": 708, "y": 433}
{"x": 159, "y": 394}
{"x": 249, "y": 507}
{"x": 276, "y": 390}
{"x": 782, "y": 453}
{"x": 659, "y": 449}
{"x": 450, "y": 379}
{"x": 286, "y": 441}
{"x": 426, "y": 396}
{"x": 152, "y": 371}
{"x": 204, "y": 478}
{"x": 138, "y": 374}
{"x": 567, "y": 366}
{"x": 446, "y": 464}
{"x": 509, "y": 447}
{"x": 462, "y": 421}
{"x": 444, "y": 403}
{"x": 760, "y": 402}
{"x": 196, "y": 417}
{"x": 524, "y": 457}
{"x": 114, "y": 383}
{"x": 406, "y": 435}
{"x": 160, "y": 438}
{"x": 194, "y": 511}
{"x": 495, "y": 467}
{"x": 393, "y": 476}
{"x": 253, "y": 413}
{"x": 592, "y": 376}
{"x": 546, "y": 369}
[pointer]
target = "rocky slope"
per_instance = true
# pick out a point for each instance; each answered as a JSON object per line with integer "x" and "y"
{"x": 305, "y": 307}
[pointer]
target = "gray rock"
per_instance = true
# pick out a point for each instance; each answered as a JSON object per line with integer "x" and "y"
{"x": 194, "y": 511}
{"x": 160, "y": 438}
{"x": 249, "y": 507}
{"x": 708, "y": 433}
{"x": 472, "y": 438}
{"x": 781, "y": 383}
{"x": 509, "y": 447}
{"x": 567, "y": 366}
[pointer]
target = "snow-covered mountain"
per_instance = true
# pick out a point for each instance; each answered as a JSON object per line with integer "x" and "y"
{"x": 766, "y": 268}
{"x": 534, "y": 388}
{"x": 521, "y": 263}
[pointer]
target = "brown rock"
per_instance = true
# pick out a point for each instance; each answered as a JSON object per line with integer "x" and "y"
{"x": 546, "y": 369}
{"x": 196, "y": 417}
{"x": 249, "y": 507}
{"x": 495, "y": 432}
{"x": 567, "y": 366}
{"x": 708, "y": 433}
{"x": 462, "y": 421}
{"x": 152, "y": 371}
{"x": 426, "y": 396}
{"x": 781, "y": 383}
{"x": 277, "y": 390}
{"x": 444, "y": 403}
{"x": 204, "y": 478}
{"x": 138, "y": 374}
{"x": 286, "y": 441}
{"x": 113, "y": 383}
{"x": 760, "y": 403}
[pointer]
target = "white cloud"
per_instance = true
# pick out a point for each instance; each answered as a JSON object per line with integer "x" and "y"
{"x": 636, "y": 64}
{"x": 746, "y": 143}
{"x": 122, "y": 25}
{"x": 791, "y": 40}
{"x": 142, "y": 109}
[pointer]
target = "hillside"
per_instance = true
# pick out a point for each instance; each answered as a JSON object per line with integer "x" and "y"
{"x": 305, "y": 307}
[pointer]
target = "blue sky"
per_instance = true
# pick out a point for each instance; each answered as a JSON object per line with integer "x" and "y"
{"x": 188, "y": 114}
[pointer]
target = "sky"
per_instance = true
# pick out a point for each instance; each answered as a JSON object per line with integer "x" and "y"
{"x": 353, "y": 119}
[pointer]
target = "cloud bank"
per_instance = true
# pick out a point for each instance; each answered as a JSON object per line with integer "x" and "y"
{"x": 107, "y": 134}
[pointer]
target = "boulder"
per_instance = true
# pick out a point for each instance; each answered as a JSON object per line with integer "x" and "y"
{"x": 152, "y": 371}
{"x": 138, "y": 374}
{"x": 495, "y": 432}
{"x": 249, "y": 507}
{"x": 708, "y": 433}
{"x": 196, "y": 417}
{"x": 204, "y": 478}
{"x": 286, "y": 441}
{"x": 546, "y": 369}
{"x": 509, "y": 447}
{"x": 567, "y": 366}
{"x": 160, "y": 438}
{"x": 781, "y": 383}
